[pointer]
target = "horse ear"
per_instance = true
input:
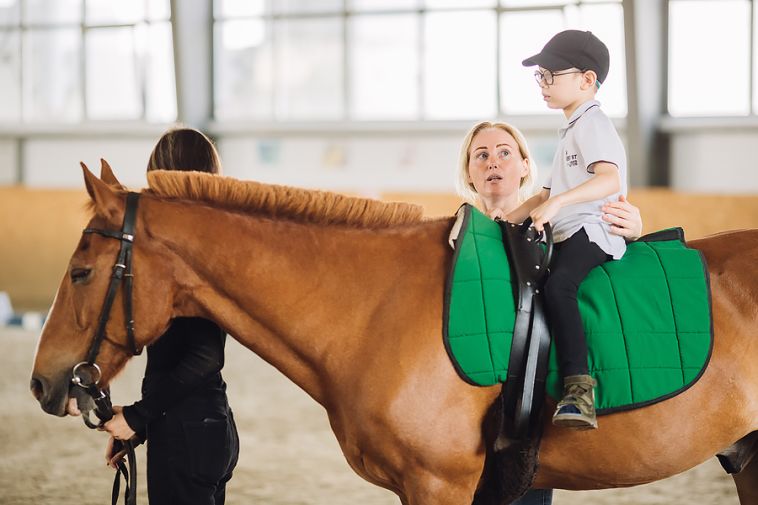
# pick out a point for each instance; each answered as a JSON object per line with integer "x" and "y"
{"x": 107, "y": 175}
{"x": 107, "y": 202}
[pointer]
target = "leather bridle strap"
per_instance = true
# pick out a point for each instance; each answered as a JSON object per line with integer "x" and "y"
{"x": 121, "y": 270}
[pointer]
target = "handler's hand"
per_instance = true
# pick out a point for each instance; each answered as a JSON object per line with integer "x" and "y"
{"x": 113, "y": 456}
{"x": 624, "y": 217}
{"x": 117, "y": 426}
{"x": 544, "y": 213}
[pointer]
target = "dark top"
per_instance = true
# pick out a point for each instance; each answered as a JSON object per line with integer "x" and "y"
{"x": 184, "y": 361}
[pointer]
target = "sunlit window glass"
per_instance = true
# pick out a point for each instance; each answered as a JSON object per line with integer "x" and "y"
{"x": 468, "y": 4}
{"x": 158, "y": 10}
{"x": 10, "y": 12}
{"x": 307, "y": 6}
{"x": 112, "y": 84}
{"x": 522, "y": 35}
{"x": 51, "y": 75}
{"x": 309, "y": 69}
{"x": 244, "y": 78}
{"x": 52, "y": 11}
{"x": 114, "y": 11}
{"x": 459, "y": 71}
{"x": 239, "y": 8}
{"x": 304, "y": 68}
{"x": 379, "y": 5}
{"x": 10, "y": 76}
{"x": 160, "y": 90}
{"x": 701, "y": 35}
{"x": 606, "y": 21}
{"x": 384, "y": 67}
{"x": 535, "y": 3}
{"x": 755, "y": 60}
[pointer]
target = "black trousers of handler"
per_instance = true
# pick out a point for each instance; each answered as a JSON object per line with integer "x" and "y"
{"x": 572, "y": 261}
{"x": 191, "y": 451}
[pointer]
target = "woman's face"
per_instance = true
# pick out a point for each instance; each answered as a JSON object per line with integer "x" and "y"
{"x": 495, "y": 165}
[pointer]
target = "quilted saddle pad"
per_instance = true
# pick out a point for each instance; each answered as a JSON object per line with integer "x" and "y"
{"x": 647, "y": 316}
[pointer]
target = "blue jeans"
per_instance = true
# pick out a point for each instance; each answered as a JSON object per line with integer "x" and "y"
{"x": 536, "y": 497}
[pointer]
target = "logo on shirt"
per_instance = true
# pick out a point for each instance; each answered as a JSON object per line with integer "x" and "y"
{"x": 571, "y": 160}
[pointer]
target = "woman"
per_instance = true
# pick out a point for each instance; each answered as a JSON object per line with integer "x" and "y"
{"x": 192, "y": 441}
{"x": 496, "y": 173}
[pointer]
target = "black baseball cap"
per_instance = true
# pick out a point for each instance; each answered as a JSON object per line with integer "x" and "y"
{"x": 573, "y": 48}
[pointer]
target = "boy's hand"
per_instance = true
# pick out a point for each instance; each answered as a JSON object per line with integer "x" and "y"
{"x": 496, "y": 213}
{"x": 544, "y": 212}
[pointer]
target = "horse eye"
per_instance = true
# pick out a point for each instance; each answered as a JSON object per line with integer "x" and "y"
{"x": 80, "y": 274}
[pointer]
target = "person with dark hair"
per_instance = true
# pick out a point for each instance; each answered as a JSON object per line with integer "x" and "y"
{"x": 184, "y": 414}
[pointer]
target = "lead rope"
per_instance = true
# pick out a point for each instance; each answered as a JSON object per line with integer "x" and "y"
{"x": 104, "y": 412}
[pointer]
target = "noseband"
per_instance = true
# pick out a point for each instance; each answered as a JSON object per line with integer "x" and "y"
{"x": 87, "y": 374}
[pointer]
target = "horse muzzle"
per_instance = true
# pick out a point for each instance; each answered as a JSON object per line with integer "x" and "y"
{"x": 53, "y": 395}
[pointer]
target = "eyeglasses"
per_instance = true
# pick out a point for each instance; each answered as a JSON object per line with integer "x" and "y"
{"x": 548, "y": 77}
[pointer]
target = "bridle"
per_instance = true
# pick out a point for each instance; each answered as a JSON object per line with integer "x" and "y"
{"x": 87, "y": 373}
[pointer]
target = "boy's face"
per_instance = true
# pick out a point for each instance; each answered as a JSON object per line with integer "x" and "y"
{"x": 568, "y": 86}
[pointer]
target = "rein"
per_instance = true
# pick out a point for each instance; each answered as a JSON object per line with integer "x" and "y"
{"x": 87, "y": 374}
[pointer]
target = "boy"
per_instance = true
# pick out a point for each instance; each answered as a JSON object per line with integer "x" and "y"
{"x": 589, "y": 169}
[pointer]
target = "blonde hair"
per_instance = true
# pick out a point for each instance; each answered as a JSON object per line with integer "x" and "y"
{"x": 466, "y": 189}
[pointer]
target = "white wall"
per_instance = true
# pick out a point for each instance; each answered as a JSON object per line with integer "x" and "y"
{"x": 8, "y": 161}
{"x": 368, "y": 163}
{"x": 54, "y": 163}
{"x": 413, "y": 162}
{"x": 715, "y": 162}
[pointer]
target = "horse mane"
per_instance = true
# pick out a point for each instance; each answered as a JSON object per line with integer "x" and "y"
{"x": 275, "y": 201}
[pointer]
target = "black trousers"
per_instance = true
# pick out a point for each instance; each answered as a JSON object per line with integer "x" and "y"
{"x": 192, "y": 451}
{"x": 572, "y": 261}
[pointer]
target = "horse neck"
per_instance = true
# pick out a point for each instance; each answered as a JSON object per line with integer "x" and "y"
{"x": 302, "y": 296}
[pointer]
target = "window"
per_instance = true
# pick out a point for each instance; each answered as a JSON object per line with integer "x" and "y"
{"x": 308, "y": 60}
{"x": 75, "y": 60}
{"x": 712, "y": 66}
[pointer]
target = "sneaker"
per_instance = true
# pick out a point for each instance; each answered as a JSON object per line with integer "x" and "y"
{"x": 577, "y": 408}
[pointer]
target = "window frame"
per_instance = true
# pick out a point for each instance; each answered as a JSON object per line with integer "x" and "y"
{"x": 22, "y": 27}
{"x": 270, "y": 18}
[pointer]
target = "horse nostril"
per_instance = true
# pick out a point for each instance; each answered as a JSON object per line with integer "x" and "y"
{"x": 38, "y": 389}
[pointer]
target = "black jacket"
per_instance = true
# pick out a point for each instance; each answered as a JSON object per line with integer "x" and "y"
{"x": 185, "y": 361}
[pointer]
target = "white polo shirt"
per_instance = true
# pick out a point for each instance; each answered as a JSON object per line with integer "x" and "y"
{"x": 588, "y": 138}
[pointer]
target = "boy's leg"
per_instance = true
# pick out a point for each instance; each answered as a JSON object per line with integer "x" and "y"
{"x": 574, "y": 259}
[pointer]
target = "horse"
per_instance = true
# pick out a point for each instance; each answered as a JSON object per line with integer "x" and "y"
{"x": 344, "y": 296}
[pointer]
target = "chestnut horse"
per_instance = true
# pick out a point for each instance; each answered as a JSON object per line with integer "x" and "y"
{"x": 345, "y": 297}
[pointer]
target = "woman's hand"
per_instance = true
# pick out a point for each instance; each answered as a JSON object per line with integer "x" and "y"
{"x": 114, "y": 453}
{"x": 624, "y": 218}
{"x": 545, "y": 212}
{"x": 117, "y": 426}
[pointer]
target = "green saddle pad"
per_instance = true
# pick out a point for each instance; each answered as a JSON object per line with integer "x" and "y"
{"x": 647, "y": 316}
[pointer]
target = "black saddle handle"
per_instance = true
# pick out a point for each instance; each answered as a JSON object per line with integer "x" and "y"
{"x": 548, "y": 233}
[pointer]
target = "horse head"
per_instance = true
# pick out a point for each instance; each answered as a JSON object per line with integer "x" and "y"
{"x": 78, "y": 312}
